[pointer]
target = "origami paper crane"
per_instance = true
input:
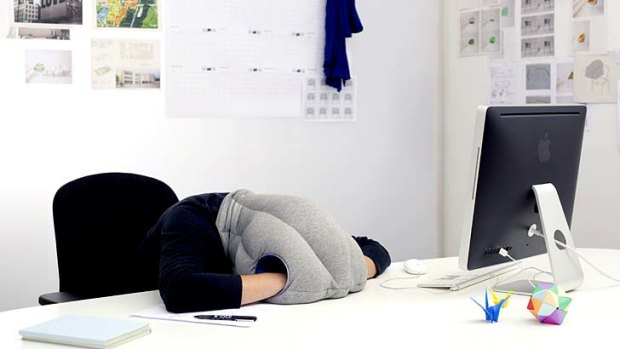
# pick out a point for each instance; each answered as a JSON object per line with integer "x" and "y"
{"x": 492, "y": 312}
{"x": 548, "y": 303}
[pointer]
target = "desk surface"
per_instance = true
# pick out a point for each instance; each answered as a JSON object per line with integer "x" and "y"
{"x": 374, "y": 318}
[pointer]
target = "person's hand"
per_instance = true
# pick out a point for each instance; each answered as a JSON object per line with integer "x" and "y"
{"x": 372, "y": 268}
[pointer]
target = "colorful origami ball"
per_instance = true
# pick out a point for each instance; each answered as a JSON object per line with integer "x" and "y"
{"x": 548, "y": 303}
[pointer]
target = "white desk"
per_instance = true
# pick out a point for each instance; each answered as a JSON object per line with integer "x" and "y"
{"x": 374, "y": 318}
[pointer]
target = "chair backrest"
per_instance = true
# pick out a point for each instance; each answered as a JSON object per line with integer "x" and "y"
{"x": 99, "y": 220}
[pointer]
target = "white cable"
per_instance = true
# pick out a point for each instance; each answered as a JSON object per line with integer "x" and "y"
{"x": 400, "y": 278}
{"x": 504, "y": 253}
{"x": 585, "y": 260}
{"x": 533, "y": 231}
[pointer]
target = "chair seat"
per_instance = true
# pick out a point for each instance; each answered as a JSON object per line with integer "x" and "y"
{"x": 59, "y": 297}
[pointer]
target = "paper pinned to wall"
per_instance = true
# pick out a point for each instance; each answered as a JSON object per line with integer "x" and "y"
{"x": 505, "y": 84}
{"x": 48, "y": 66}
{"x": 323, "y": 103}
{"x": 239, "y": 58}
{"x": 539, "y": 87}
{"x": 125, "y": 64}
{"x": 507, "y": 11}
{"x": 590, "y": 30}
{"x": 596, "y": 78}
{"x": 588, "y": 8}
{"x": 564, "y": 77}
{"x": 590, "y": 35}
{"x": 537, "y": 28}
{"x": 480, "y": 31}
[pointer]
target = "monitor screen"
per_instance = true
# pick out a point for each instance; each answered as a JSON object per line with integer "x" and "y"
{"x": 516, "y": 147}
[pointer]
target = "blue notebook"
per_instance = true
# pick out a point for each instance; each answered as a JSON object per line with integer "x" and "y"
{"x": 86, "y": 331}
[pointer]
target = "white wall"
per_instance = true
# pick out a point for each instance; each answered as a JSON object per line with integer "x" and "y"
{"x": 595, "y": 217}
{"x": 378, "y": 176}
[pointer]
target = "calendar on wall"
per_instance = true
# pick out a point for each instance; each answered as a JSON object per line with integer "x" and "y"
{"x": 241, "y": 58}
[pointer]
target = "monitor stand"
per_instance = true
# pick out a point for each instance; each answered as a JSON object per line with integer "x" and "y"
{"x": 565, "y": 266}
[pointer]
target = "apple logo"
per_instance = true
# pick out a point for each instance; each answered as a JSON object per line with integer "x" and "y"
{"x": 544, "y": 151}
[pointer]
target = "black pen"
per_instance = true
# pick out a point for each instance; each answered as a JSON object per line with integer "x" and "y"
{"x": 226, "y": 317}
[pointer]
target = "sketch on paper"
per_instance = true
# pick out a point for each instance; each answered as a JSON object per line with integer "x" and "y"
{"x": 125, "y": 64}
{"x": 470, "y": 33}
{"x": 48, "y": 11}
{"x": 505, "y": 84}
{"x": 322, "y": 103}
{"x": 39, "y": 33}
{"x": 48, "y": 66}
{"x": 537, "y": 6}
{"x": 507, "y": 11}
{"x": 537, "y": 25}
{"x": 581, "y": 36}
{"x": 127, "y": 14}
{"x": 538, "y": 76}
{"x": 490, "y": 39}
{"x": 538, "y": 46}
{"x": 597, "y": 73}
{"x": 596, "y": 79}
{"x": 587, "y": 8}
{"x": 564, "y": 77}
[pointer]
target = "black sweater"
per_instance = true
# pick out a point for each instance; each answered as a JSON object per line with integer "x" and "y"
{"x": 194, "y": 272}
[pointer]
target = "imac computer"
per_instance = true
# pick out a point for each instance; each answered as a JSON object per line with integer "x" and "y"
{"x": 524, "y": 166}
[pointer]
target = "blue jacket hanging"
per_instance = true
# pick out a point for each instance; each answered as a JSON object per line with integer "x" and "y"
{"x": 341, "y": 21}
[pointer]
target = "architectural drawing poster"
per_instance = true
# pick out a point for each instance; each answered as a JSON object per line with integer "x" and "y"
{"x": 127, "y": 14}
{"x": 125, "y": 64}
{"x": 48, "y": 66}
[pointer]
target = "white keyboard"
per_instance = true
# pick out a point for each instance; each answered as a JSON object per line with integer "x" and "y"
{"x": 461, "y": 279}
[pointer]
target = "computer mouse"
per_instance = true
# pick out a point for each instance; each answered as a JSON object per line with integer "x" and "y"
{"x": 415, "y": 267}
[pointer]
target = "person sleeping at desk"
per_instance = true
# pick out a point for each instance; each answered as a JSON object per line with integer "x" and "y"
{"x": 224, "y": 250}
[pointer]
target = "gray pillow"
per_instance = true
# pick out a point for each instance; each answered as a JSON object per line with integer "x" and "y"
{"x": 321, "y": 259}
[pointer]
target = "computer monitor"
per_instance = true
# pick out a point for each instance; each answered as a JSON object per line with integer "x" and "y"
{"x": 514, "y": 149}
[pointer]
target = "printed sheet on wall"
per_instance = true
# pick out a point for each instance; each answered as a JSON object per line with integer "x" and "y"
{"x": 241, "y": 58}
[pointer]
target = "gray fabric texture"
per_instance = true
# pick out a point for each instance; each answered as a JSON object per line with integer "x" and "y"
{"x": 322, "y": 260}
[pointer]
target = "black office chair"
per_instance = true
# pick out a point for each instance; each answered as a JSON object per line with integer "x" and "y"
{"x": 99, "y": 221}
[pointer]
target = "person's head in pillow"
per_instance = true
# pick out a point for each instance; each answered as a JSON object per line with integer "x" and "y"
{"x": 223, "y": 250}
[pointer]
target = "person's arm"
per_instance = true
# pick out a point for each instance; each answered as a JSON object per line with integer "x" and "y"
{"x": 194, "y": 272}
{"x": 261, "y": 286}
{"x": 376, "y": 256}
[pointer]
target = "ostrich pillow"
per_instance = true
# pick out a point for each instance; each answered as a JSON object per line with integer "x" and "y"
{"x": 321, "y": 259}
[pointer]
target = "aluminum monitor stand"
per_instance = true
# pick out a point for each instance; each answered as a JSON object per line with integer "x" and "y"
{"x": 565, "y": 266}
